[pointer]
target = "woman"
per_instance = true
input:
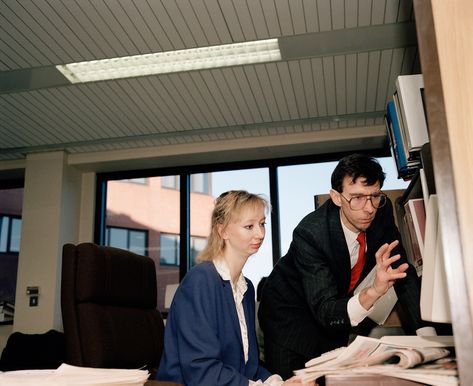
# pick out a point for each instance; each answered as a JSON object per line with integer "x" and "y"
{"x": 210, "y": 336}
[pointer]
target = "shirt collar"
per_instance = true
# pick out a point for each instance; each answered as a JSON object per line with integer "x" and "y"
{"x": 350, "y": 236}
{"x": 224, "y": 271}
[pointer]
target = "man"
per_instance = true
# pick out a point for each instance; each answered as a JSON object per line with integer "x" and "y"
{"x": 307, "y": 305}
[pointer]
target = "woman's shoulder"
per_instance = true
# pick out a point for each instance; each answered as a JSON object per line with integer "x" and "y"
{"x": 201, "y": 271}
{"x": 205, "y": 267}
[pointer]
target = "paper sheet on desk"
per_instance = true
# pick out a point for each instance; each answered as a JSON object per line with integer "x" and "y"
{"x": 424, "y": 359}
{"x": 74, "y": 376}
{"x": 383, "y": 307}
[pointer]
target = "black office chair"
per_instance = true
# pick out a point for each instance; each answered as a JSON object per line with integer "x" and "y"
{"x": 33, "y": 351}
{"x": 108, "y": 299}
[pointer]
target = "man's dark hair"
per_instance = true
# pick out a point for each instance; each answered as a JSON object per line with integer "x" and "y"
{"x": 356, "y": 166}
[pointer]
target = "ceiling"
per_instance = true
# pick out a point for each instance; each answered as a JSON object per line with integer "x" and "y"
{"x": 339, "y": 62}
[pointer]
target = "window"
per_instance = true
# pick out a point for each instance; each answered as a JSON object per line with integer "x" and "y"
{"x": 170, "y": 182}
{"x": 131, "y": 239}
{"x": 188, "y": 194}
{"x": 255, "y": 180}
{"x": 142, "y": 181}
{"x": 15, "y": 235}
{"x": 139, "y": 215}
{"x": 197, "y": 245}
{"x": 10, "y": 231}
{"x": 169, "y": 249}
{"x": 200, "y": 183}
{"x": 305, "y": 181}
{"x": 11, "y": 201}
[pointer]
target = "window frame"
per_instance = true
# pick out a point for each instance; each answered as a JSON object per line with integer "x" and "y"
{"x": 184, "y": 173}
{"x": 10, "y": 218}
{"x": 144, "y": 231}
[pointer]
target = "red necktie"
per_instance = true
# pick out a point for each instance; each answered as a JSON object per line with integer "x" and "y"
{"x": 360, "y": 263}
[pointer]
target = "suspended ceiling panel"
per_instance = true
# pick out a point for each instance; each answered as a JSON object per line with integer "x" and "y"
{"x": 339, "y": 62}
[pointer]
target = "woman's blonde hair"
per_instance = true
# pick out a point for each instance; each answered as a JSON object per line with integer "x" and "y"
{"x": 227, "y": 206}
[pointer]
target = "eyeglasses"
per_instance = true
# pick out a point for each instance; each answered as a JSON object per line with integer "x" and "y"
{"x": 378, "y": 200}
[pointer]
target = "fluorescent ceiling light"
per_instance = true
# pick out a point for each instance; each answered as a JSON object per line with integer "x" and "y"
{"x": 173, "y": 61}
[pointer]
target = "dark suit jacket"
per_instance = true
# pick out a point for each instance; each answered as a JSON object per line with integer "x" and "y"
{"x": 202, "y": 342}
{"x": 304, "y": 301}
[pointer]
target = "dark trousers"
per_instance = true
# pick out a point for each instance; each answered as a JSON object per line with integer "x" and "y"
{"x": 281, "y": 360}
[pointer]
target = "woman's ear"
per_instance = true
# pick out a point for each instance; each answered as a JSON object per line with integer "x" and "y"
{"x": 335, "y": 196}
{"x": 222, "y": 232}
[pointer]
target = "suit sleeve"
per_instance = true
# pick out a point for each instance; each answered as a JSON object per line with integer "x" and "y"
{"x": 320, "y": 285}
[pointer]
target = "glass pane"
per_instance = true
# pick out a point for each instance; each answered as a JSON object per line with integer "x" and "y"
{"x": 137, "y": 242}
{"x": 4, "y": 221}
{"x": 137, "y": 180}
{"x": 299, "y": 184}
{"x": 118, "y": 238}
{"x": 252, "y": 180}
{"x": 170, "y": 182}
{"x": 197, "y": 245}
{"x": 15, "y": 235}
{"x": 169, "y": 249}
{"x": 200, "y": 183}
{"x": 11, "y": 201}
{"x": 145, "y": 211}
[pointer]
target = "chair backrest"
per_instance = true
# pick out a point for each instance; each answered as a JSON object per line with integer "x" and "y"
{"x": 108, "y": 300}
{"x": 33, "y": 351}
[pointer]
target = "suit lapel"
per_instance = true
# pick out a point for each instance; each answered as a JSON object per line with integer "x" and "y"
{"x": 339, "y": 247}
{"x": 374, "y": 235}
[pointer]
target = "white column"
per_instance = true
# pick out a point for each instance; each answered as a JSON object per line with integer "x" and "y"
{"x": 50, "y": 218}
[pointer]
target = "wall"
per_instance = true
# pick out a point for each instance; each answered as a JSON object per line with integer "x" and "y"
{"x": 58, "y": 207}
{"x": 51, "y": 215}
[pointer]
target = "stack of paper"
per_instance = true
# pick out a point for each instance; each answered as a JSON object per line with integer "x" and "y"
{"x": 74, "y": 376}
{"x": 419, "y": 358}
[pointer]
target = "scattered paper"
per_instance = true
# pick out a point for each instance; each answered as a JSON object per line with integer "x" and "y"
{"x": 67, "y": 375}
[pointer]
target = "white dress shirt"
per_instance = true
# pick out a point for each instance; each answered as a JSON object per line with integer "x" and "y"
{"x": 356, "y": 312}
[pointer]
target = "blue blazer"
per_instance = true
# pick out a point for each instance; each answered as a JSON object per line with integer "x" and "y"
{"x": 202, "y": 339}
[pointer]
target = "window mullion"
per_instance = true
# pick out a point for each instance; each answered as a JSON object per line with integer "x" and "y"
{"x": 184, "y": 250}
{"x": 275, "y": 225}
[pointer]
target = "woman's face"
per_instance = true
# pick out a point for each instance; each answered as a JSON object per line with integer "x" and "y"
{"x": 244, "y": 235}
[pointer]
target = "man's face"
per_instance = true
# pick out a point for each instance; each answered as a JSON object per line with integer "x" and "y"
{"x": 355, "y": 220}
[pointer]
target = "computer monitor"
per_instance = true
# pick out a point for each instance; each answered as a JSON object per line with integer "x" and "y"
{"x": 434, "y": 299}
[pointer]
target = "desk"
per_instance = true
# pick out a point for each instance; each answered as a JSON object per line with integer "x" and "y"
{"x": 160, "y": 383}
{"x": 367, "y": 380}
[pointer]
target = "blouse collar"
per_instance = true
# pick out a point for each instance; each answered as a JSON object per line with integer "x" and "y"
{"x": 224, "y": 271}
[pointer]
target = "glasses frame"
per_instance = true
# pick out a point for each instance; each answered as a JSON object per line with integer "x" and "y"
{"x": 367, "y": 197}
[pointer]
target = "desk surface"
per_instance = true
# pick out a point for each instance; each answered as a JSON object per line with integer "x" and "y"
{"x": 337, "y": 380}
{"x": 367, "y": 380}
